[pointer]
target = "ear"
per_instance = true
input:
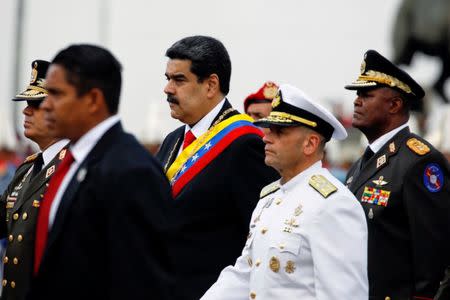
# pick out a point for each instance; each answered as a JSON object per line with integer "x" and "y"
{"x": 396, "y": 105}
{"x": 311, "y": 144}
{"x": 96, "y": 101}
{"x": 213, "y": 85}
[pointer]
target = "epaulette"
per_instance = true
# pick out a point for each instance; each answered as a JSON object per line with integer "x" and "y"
{"x": 417, "y": 146}
{"x": 269, "y": 189}
{"x": 322, "y": 185}
{"x": 31, "y": 157}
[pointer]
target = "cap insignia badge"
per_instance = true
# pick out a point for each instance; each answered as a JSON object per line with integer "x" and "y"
{"x": 277, "y": 100}
{"x": 34, "y": 73}
{"x": 363, "y": 67}
{"x": 270, "y": 91}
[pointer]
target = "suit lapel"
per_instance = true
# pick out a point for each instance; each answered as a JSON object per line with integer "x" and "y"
{"x": 78, "y": 179}
{"x": 378, "y": 161}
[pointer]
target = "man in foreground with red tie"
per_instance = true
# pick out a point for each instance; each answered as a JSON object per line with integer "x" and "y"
{"x": 215, "y": 163}
{"x": 101, "y": 225}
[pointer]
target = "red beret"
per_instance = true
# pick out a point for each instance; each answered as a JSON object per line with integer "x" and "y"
{"x": 265, "y": 94}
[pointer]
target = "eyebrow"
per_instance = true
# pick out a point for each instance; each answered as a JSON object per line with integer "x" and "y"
{"x": 175, "y": 76}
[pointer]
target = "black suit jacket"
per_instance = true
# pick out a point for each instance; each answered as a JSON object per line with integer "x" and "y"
{"x": 21, "y": 226}
{"x": 107, "y": 239}
{"x": 408, "y": 239}
{"x": 211, "y": 214}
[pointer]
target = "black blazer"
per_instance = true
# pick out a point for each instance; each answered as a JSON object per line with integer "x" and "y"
{"x": 211, "y": 215}
{"x": 408, "y": 239}
{"x": 107, "y": 239}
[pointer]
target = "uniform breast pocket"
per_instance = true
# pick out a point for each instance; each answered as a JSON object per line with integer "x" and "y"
{"x": 286, "y": 244}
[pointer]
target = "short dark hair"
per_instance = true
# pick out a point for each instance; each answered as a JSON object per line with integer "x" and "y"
{"x": 207, "y": 55}
{"x": 87, "y": 67}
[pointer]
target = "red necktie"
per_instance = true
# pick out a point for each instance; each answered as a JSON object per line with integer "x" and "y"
{"x": 44, "y": 210}
{"x": 189, "y": 137}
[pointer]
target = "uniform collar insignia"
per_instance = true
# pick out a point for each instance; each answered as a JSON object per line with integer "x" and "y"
{"x": 381, "y": 160}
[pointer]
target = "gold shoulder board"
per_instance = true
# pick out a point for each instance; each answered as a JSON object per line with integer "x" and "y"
{"x": 322, "y": 185}
{"x": 269, "y": 189}
{"x": 31, "y": 157}
{"x": 417, "y": 146}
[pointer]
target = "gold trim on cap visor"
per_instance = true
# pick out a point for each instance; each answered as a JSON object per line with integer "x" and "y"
{"x": 277, "y": 116}
{"x": 384, "y": 79}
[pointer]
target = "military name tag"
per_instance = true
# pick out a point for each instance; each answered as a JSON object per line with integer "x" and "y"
{"x": 375, "y": 196}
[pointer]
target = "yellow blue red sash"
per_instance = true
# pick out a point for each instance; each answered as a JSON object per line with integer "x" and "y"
{"x": 204, "y": 149}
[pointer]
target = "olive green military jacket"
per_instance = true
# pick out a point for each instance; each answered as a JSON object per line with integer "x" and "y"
{"x": 19, "y": 210}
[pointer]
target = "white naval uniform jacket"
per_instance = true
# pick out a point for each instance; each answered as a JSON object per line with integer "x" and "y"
{"x": 302, "y": 245}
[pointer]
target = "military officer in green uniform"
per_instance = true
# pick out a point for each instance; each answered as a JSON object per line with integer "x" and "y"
{"x": 20, "y": 202}
{"x": 402, "y": 182}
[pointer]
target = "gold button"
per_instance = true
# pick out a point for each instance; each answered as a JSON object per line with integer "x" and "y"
{"x": 13, "y": 284}
{"x": 19, "y": 237}
{"x": 10, "y": 238}
{"x": 253, "y": 295}
{"x": 15, "y": 260}
{"x": 5, "y": 259}
{"x": 282, "y": 246}
{"x": 42, "y": 195}
{"x": 264, "y": 230}
{"x": 258, "y": 262}
{"x": 15, "y": 216}
{"x": 24, "y": 216}
{"x": 4, "y": 282}
{"x": 387, "y": 298}
{"x": 278, "y": 201}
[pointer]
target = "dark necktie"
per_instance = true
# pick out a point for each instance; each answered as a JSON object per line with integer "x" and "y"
{"x": 37, "y": 165}
{"x": 44, "y": 210}
{"x": 189, "y": 137}
{"x": 366, "y": 156}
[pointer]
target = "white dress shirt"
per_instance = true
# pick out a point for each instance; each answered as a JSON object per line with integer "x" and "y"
{"x": 80, "y": 151}
{"x": 301, "y": 245}
{"x": 50, "y": 153}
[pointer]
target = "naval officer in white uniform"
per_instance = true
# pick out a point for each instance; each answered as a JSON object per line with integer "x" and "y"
{"x": 308, "y": 233}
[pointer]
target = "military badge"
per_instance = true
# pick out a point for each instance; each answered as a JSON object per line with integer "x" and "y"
{"x": 370, "y": 214}
{"x": 36, "y": 203}
{"x": 62, "y": 154}
{"x": 274, "y": 264}
{"x": 433, "y": 177}
{"x": 381, "y": 160}
{"x": 417, "y": 146}
{"x": 34, "y": 73}
{"x": 270, "y": 90}
{"x": 380, "y": 181}
{"x": 10, "y": 204}
{"x": 322, "y": 185}
{"x": 375, "y": 196}
{"x": 277, "y": 100}
{"x": 290, "y": 267}
{"x": 291, "y": 222}
{"x": 298, "y": 210}
{"x": 50, "y": 171}
{"x": 392, "y": 147}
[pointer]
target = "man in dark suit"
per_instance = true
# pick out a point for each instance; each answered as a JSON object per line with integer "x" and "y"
{"x": 20, "y": 202}
{"x": 215, "y": 163}
{"x": 100, "y": 229}
{"x": 402, "y": 182}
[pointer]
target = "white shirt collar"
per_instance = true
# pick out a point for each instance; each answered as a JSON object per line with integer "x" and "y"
{"x": 379, "y": 142}
{"x": 85, "y": 144}
{"x": 50, "y": 153}
{"x": 297, "y": 179}
{"x": 203, "y": 125}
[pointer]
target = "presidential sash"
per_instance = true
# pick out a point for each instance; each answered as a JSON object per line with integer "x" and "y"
{"x": 194, "y": 158}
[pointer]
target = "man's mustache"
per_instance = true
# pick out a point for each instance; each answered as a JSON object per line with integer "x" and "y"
{"x": 172, "y": 99}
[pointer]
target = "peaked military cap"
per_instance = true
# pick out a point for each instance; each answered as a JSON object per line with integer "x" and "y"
{"x": 265, "y": 94}
{"x": 376, "y": 70}
{"x": 292, "y": 107}
{"x": 36, "y": 89}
